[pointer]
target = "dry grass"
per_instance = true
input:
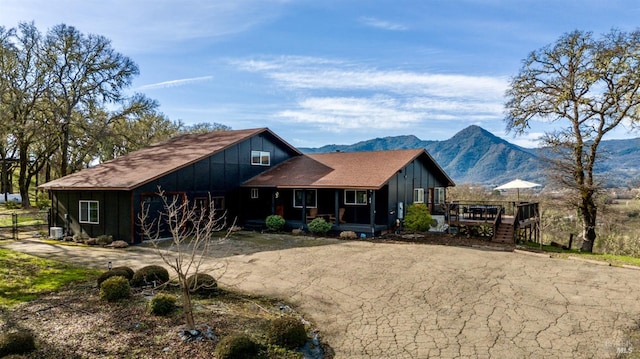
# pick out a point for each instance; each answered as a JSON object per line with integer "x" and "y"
{"x": 75, "y": 323}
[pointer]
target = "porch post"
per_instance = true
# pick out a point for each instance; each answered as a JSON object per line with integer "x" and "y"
{"x": 372, "y": 212}
{"x": 273, "y": 202}
{"x": 337, "y": 206}
{"x": 304, "y": 206}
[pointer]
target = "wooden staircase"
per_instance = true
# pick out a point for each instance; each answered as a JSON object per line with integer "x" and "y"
{"x": 504, "y": 232}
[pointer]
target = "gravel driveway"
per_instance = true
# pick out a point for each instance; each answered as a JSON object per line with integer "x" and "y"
{"x": 378, "y": 300}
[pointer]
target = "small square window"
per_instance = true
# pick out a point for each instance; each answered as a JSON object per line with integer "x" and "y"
{"x": 260, "y": 158}
{"x": 89, "y": 212}
{"x": 418, "y": 195}
{"x": 254, "y": 193}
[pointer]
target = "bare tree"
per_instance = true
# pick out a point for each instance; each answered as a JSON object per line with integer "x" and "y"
{"x": 190, "y": 227}
{"x": 588, "y": 86}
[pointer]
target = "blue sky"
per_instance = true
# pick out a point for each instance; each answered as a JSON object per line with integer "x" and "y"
{"x": 331, "y": 71}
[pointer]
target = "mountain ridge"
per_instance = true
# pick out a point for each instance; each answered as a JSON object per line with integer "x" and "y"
{"x": 475, "y": 155}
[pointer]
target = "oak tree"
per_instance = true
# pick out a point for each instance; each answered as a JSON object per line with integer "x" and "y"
{"x": 586, "y": 87}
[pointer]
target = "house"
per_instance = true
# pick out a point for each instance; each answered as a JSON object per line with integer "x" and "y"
{"x": 250, "y": 174}
{"x": 107, "y": 199}
{"x": 365, "y": 192}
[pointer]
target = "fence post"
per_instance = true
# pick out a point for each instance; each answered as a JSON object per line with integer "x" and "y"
{"x": 14, "y": 225}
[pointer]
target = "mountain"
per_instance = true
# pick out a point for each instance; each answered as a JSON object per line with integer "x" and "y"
{"x": 475, "y": 155}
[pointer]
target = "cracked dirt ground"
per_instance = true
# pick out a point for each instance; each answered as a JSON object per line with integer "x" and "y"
{"x": 421, "y": 301}
{"x": 374, "y": 300}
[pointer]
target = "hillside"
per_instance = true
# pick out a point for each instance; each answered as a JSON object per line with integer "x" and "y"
{"x": 475, "y": 155}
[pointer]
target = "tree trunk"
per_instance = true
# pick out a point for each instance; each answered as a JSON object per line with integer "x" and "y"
{"x": 23, "y": 179}
{"x": 186, "y": 303}
{"x": 64, "y": 149}
{"x": 589, "y": 212}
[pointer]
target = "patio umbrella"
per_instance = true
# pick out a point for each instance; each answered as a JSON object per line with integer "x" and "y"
{"x": 517, "y": 184}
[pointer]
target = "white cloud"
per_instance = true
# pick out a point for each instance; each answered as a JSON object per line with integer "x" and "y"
{"x": 174, "y": 83}
{"x": 382, "y": 24}
{"x": 335, "y": 95}
{"x": 313, "y": 73}
{"x": 144, "y": 24}
{"x": 336, "y": 113}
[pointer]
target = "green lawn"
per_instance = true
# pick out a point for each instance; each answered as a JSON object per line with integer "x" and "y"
{"x": 616, "y": 260}
{"x": 23, "y": 277}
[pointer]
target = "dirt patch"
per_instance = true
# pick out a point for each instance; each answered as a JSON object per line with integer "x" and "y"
{"x": 75, "y": 323}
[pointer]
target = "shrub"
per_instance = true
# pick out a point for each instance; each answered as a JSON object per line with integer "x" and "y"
{"x": 115, "y": 288}
{"x": 238, "y": 346}
{"x": 129, "y": 272}
{"x": 12, "y": 205}
{"x": 319, "y": 226}
{"x": 162, "y": 304}
{"x": 43, "y": 201}
{"x": 148, "y": 274}
{"x": 348, "y": 235}
{"x": 18, "y": 342}
{"x": 287, "y": 332}
{"x": 418, "y": 217}
{"x": 201, "y": 283}
{"x": 275, "y": 223}
{"x": 104, "y": 240}
{"x": 115, "y": 272}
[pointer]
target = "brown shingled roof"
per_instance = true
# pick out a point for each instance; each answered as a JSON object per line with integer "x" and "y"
{"x": 140, "y": 167}
{"x": 366, "y": 170}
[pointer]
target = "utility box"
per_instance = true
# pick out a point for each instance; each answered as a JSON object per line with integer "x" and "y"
{"x": 56, "y": 232}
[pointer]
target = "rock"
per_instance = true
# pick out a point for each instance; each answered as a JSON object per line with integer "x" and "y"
{"x": 119, "y": 244}
{"x": 201, "y": 333}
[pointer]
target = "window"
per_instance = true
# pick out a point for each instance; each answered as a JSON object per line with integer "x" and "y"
{"x": 418, "y": 195}
{"x": 89, "y": 212}
{"x": 311, "y": 198}
{"x": 355, "y": 197}
{"x": 260, "y": 158}
{"x": 254, "y": 193}
{"x": 438, "y": 195}
{"x": 218, "y": 203}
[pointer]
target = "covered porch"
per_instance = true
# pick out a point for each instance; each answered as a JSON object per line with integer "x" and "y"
{"x": 363, "y": 211}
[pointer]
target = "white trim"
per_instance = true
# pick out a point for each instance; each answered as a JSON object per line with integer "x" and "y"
{"x": 357, "y": 200}
{"x": 418, "y": 195}
{"x": 260, "y": 158}
{"x": 86, "y": 217}
{"x": 255, "y": 193}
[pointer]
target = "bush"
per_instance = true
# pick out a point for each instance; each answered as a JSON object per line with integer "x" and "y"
{"x": 114, "y": 273}
{"x": 12, "y": 205}
{"x": 129, "y": 272}
{"x": 238, "y": 346}
{"x": 104, "y": 240}
{"x": 319, "y": 226}
{"x": 287, "y": 332}
{"x": 418, "y": 218}
{"x": 275, "y": 223}
{"x": 43, "y": 201}
{"x": 115, "y": 288}
{"x": 19, "y": 342}
{"x": 162, "y": 304}
{"x": 201, "y": 283}
{"x": 148, "y": 274}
